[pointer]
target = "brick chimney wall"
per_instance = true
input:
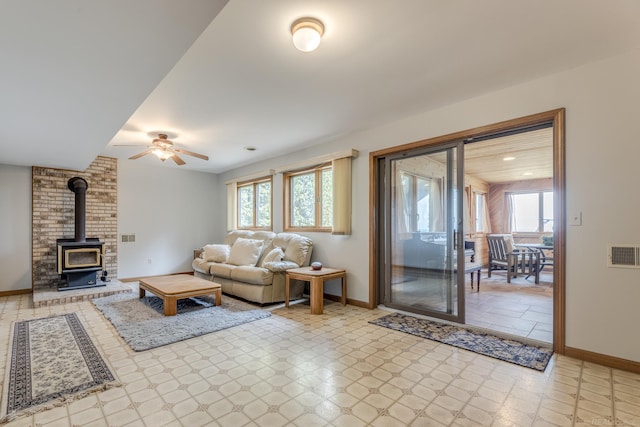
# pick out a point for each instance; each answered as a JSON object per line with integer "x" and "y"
{"x": 53, "y": 207}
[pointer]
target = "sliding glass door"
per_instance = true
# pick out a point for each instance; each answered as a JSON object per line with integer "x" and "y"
{"x": 422, "y": 231}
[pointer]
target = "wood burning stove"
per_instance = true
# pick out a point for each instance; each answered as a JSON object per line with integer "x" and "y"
{"x": 79, "y": 263}
{"x": 80, "y": 259}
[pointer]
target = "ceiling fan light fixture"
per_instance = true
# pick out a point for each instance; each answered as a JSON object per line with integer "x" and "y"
{"x": 162, "y": 154}
{"x": 307, "y": 34}
{"x": 164, "y": 149}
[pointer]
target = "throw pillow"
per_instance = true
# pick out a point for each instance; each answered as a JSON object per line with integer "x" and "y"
{"x": 245, "y": 251}
{"x": 216, "y": 253}
{"x": 275, "y": 254}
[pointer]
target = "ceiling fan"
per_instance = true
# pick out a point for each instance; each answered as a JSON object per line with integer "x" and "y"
{"x": 164, "y": 149}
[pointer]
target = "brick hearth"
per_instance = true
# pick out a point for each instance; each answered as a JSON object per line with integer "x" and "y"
{"x": 43, "y": 297}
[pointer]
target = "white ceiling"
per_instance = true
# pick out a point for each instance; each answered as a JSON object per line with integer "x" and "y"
{"x": 78, "y": 77}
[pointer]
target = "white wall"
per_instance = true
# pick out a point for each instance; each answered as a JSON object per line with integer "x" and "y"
{"x": 15, "y": 228}
{"x": 602, "y": 154}
{"x": 171, "y": 212}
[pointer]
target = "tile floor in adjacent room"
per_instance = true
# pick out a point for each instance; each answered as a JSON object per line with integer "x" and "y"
{"x": 521, "y": 308}
{"x": 335, "y": 369}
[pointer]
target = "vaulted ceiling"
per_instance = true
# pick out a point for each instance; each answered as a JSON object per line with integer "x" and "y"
{"x": 78, "y": 77}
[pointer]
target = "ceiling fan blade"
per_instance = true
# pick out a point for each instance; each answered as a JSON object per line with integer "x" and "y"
{"x": 130, "y": 145}
{"x": 144, "y": 153}
{"x": 177, "y": 159}
{"x": 191, "y": 153}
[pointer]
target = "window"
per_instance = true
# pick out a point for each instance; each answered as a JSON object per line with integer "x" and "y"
{"x": 416, "y": 197}
{"x": 478, "y": 212}
{"x": 531, "y": 212}
{"x": 309, "y": 199}
{"x": 481, "y": 213}
{"x": 254, "y": 204}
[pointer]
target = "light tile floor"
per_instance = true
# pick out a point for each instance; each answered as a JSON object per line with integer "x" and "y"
{"x": 335, "y": 369}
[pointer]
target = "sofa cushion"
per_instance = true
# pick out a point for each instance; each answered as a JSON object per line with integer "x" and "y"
{"x": 245, "y": 251}
{"x": 216, "y": 253}
{"x": 267, "y": 237}
{"x": 221, "y": 270}
{"x": 232, "y": 236}
{"x": 296, "y": 247}
{"x": 275, "y": 254}
{"x": 201, "y": 265}
{"x": 253, "y": 275}
{"x": 276, "y": 266}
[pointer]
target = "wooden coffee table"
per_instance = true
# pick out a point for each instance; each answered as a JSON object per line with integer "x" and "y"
{"x": 178, "y": 286}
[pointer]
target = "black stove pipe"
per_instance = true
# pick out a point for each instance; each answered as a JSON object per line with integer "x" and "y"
{"x": 79, "y": 187}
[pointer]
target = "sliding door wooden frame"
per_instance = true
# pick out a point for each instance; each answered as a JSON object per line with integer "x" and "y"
{"x": 557, "y": 119}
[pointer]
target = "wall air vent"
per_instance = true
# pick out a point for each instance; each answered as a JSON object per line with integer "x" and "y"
{"x": 624, "y": 256}
{"x": 127, "y": 238}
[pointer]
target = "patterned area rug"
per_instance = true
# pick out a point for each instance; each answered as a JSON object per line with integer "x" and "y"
{"x": 142, "y": 324}
{"x": 51, "y": 360}
{"x": 522, "y": 354}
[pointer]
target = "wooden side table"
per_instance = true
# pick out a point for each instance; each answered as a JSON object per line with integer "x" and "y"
{"x": 316, "y": 279}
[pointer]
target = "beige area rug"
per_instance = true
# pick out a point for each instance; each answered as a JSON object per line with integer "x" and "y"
{"x": 142, "y": 324}
{"x": 51, "y": 361}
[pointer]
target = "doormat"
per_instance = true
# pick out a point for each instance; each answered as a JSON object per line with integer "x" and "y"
{"x": 51, "y": 361}
{"x": 508, "y": 350}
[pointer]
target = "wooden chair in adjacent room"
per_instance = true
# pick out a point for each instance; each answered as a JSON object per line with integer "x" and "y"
{"x": 502, "y": 255}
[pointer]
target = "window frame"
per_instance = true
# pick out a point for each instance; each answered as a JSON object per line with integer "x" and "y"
{"x": 254, "y": 183}
{"x": 317, "y": 170}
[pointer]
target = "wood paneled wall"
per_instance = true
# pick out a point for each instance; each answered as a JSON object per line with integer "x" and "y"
{"x": 497, "y": 203}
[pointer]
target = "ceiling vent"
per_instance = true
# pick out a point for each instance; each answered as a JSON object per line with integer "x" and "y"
{"x": 624, "y": 256}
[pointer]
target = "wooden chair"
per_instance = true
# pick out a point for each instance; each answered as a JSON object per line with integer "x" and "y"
{"x": 502, "y": 255}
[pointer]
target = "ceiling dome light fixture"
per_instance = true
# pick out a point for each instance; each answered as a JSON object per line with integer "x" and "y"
{"x": 307, "y": 33}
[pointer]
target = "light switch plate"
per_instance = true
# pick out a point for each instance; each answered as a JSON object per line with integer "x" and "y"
{"x": 575, "y": 219}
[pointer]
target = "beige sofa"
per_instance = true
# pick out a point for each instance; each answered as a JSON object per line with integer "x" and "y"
{"x": 252, "y": 264}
